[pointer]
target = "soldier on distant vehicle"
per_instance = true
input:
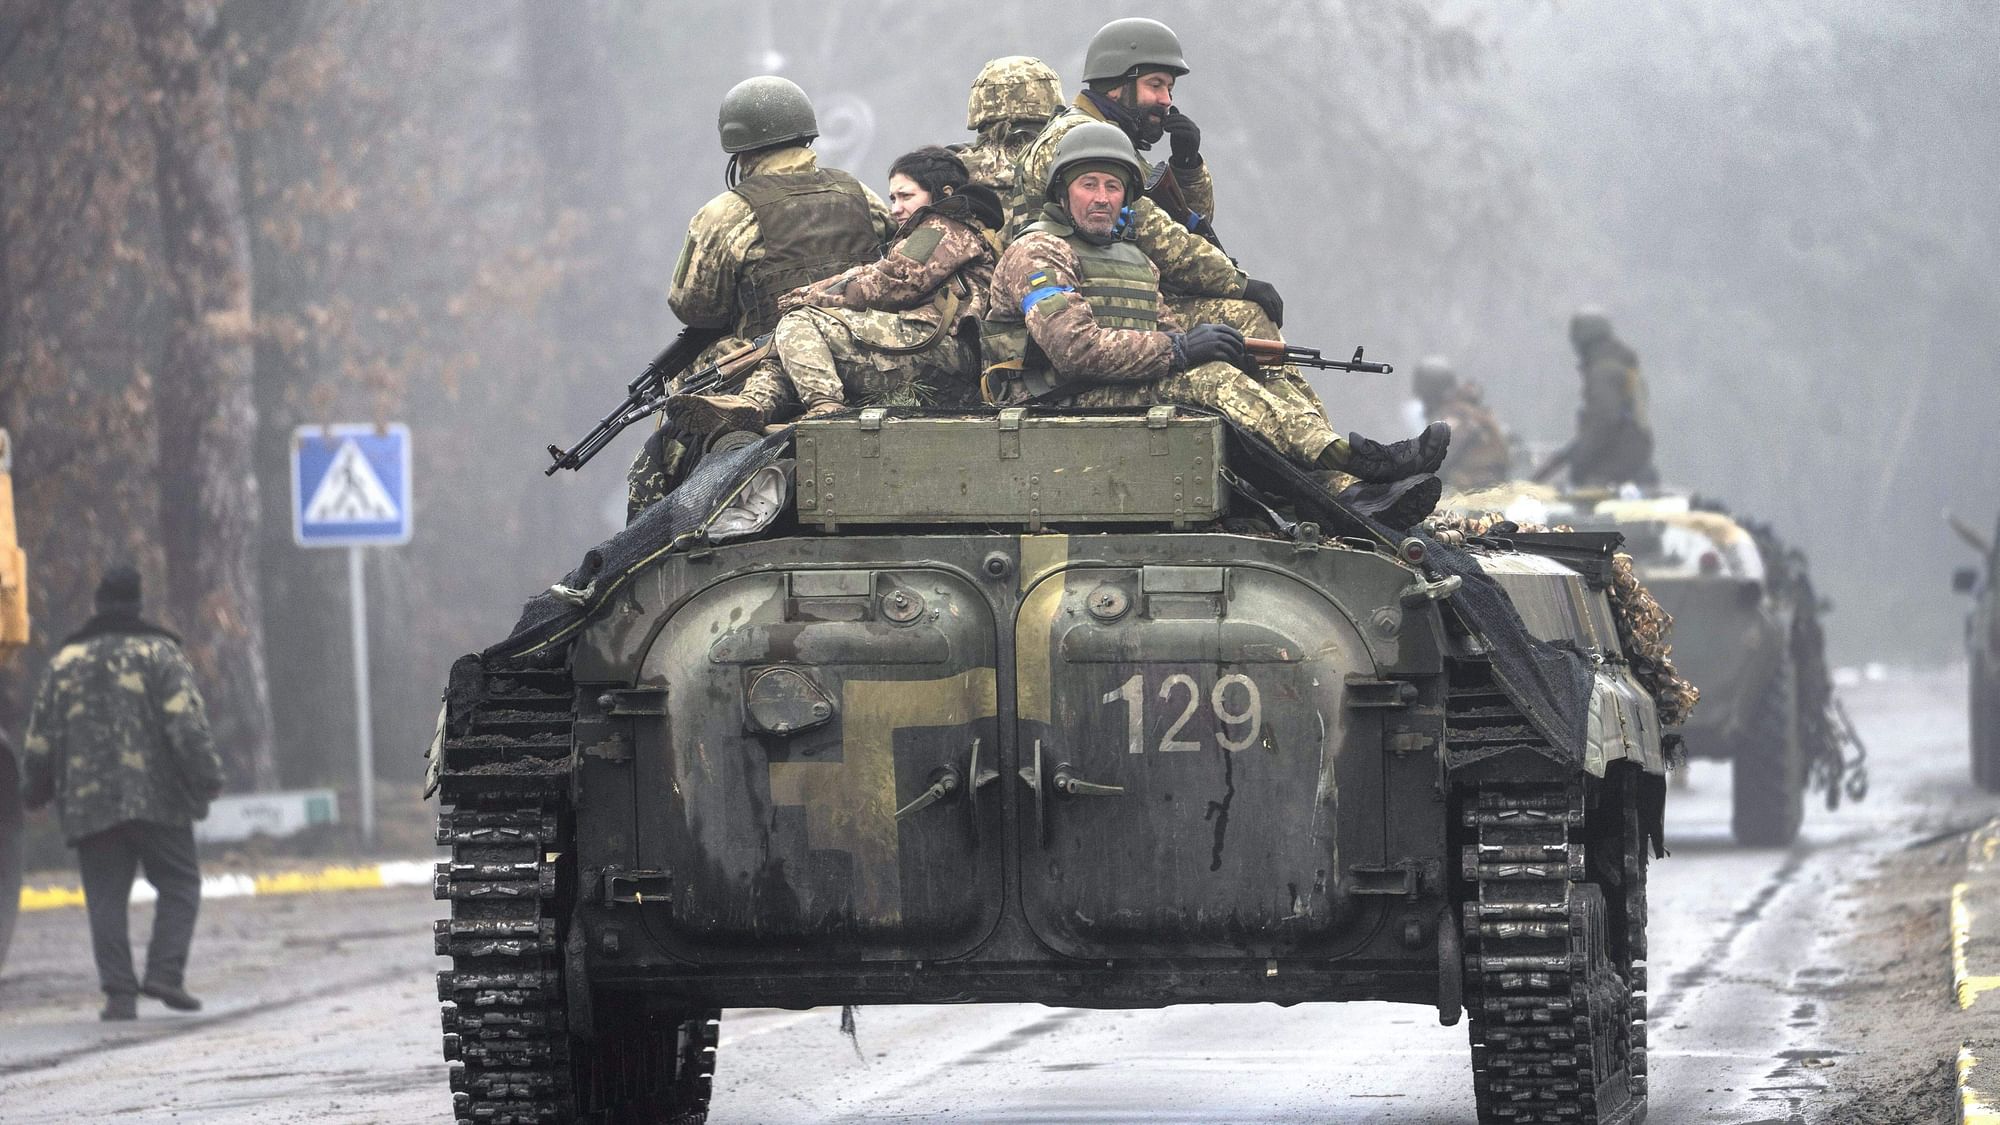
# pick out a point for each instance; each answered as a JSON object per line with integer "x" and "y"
{"x": 1011, "y": 100}
{"x": 1479, "y": 456}
{"x": 1614, "y": 438}
{"x": 119, "y": 741}
{"x": 783, "y": 223}
{"x": 902, "y": 330}
{"x": 1077, "y": 319}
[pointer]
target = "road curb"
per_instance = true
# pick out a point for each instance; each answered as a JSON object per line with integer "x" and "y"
{"x": 242, "y": 885}
{"x": 1975, "y": 968}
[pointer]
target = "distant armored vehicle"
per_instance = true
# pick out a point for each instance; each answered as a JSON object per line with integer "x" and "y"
{"x": 1098, "y": 710}
{"x": 1982, "y": 646}
{"x": 1746, "y": 632}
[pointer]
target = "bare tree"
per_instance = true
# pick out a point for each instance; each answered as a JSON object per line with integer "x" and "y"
{"x": 206, "y": 416}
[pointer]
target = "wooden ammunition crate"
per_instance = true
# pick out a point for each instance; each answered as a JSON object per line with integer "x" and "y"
{"x": 1162, "y": 466}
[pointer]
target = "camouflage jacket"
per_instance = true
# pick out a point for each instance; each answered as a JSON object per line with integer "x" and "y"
{"x": 1479, "y": 455}
{"x": 118, "y": 732}
{"x": 992, "y": 159}
{"x": 933, "y": 250}
{"x": 1189, "y": 264}
{"x": 1066, "y": 330}
{"x": 724, "y": 235}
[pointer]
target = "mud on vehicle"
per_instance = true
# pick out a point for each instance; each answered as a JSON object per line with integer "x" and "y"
{"x": 1982, "y": 650}
{"x": 1091, "y": 710}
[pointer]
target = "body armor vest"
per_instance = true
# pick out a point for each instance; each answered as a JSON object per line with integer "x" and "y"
{"x": 815, "y": 224}
{"x": 1117, "y": 280}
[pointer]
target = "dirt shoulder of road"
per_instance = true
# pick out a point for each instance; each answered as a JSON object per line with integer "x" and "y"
{"x": 1893, "y": 1012}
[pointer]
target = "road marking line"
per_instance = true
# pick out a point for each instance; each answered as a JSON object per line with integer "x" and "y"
{"x": 1966, "y": 985}
{"x": 1973, "y": 1108}
{"x": 234, "y": 885}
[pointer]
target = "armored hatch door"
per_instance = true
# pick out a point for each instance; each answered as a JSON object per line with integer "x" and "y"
{"x": 804, "y": 709}
{"x": 1191, "y": 780}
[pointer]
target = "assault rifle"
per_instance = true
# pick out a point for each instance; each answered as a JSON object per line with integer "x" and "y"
{"x": 645, "y": 395}
{"x": 1275, "y": 353}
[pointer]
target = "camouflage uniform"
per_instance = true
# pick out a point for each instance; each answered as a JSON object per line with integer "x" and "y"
{"x": 1131, "y": 366}
{"x": 893, "y": 331}
{"x": 724, "y": 242}
{"x": 1010, "y": 101}
{"x": 118, "y": 739}
{"x": 1614, "y": 437}
{"x": 1189, "y": 264}
{"x": 1480, "y": 455}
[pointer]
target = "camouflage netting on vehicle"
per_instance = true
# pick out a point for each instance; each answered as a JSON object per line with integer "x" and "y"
{"x": 1550, "y": 683}
{"x": 673, "y": 524}
{"x": 1644, "y": 626}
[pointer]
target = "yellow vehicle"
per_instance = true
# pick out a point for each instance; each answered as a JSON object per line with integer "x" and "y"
{"x": 13, "y": 634}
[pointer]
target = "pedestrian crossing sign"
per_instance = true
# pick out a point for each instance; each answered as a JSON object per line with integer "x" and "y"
{"x": 351, "y": 485}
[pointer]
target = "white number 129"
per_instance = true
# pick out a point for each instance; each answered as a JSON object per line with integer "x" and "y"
{"x": 1133, "y": 692}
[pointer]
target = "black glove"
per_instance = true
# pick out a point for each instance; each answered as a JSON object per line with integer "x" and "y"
{"x": 1185, "y": 136}
{"x": 1266, "y": 296}
{"x": 1209, "y": 343}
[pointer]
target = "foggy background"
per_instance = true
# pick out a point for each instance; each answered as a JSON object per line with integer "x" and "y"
{"x": 465, "y": 216}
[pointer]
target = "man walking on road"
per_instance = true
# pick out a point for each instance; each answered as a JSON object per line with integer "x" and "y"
{"x": 119, "y": 741}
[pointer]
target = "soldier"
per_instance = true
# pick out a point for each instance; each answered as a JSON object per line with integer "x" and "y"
{"x": 902, "y": 330}
{"x": 1479, "y": 456}
{"x": 784, "y": 222}
{"x": 1077, "y": 319}
{"x": 1614, "y": 438}
{"x": 119, "y": 741}
{"x": 1011, "y": 100}
{"x": 1129, "y": 72}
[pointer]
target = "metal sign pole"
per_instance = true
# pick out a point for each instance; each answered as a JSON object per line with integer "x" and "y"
{"x": 364, "y": 736}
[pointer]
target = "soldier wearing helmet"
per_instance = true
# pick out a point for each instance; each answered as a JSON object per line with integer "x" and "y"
{"x": 1076, "y": 318}
{"x": 898, "y": 331}
{"x": 1011, "y": 100}
{"x": 1129, "y": 72}
{"x": 783, "y": 223}
{"x": 1480, "y": 456}
{"x": 1614, "y": 436}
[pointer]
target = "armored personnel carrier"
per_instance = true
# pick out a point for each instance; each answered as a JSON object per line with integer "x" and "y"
{"x": 1746, "y": 631}
{"x": 1101, "y": 710}
{"x": 1982, "y": 649}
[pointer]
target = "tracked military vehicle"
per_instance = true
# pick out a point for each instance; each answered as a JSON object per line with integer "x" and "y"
{"x": 1746, "y": 631}
{"x": 1102, "y": 710}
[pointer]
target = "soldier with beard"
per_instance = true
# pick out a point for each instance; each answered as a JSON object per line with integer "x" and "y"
{"x": 1011, "y": 100}
{"x": 1130, "y": 71}
{"x": 1077, "y": 319}
{"x": 899, "y": 331}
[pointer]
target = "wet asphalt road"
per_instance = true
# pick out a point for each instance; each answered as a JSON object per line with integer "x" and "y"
{"x": 322, "y": 1008}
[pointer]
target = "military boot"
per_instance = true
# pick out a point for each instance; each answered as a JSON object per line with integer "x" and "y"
{"x": 1372, "y": 461}
{"x": 714, "y": 414}
{"x": 1399, "y": 504}
{"x": 119, "y": 1006}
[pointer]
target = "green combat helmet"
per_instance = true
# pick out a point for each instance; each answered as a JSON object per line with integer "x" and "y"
{"x": 764, "y": 111}
{"x": 1099, "y": 143}
{"x": 1433, "y": 378}
{"x": 1588, "y": 326}
{"x": 1130, "y": 47}
{"x": 1013, "y": 88}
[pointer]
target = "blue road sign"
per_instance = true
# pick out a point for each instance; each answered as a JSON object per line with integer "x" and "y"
{"x": 351, "y": 485}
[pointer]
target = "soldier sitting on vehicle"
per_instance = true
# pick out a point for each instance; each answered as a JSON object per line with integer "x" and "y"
{"x": 1480, "y": 456}
{"x": 1077, "y": 319}
{"x": 1010, "y": 101}
{"x": 902, "y": 330}
{"x": 784, "y": 222}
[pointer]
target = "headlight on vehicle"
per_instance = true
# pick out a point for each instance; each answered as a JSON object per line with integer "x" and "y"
{"x": 754, "y": 505}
